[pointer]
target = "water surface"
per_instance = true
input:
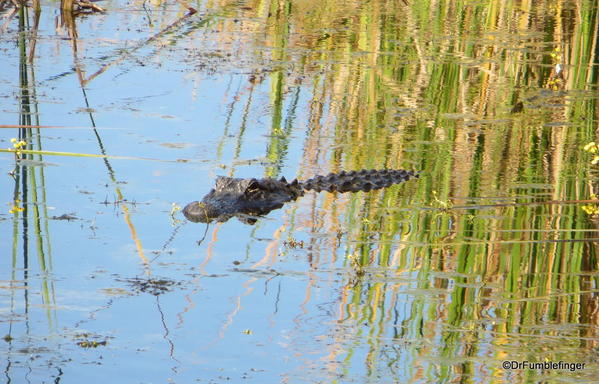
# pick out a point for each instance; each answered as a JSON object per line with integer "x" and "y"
{"x": 490, "y": 256}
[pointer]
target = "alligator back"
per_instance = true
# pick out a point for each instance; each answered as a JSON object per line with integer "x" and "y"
{"x": 355, "y": 181}
{"x": 249, "y": 198}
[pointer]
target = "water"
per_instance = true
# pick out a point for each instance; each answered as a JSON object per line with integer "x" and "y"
{"x": 490, "y": 256}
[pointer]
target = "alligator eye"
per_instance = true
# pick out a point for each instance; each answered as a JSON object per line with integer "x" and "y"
{"x": 253, "y": 185}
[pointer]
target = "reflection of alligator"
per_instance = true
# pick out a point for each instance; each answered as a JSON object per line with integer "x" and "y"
{"x": 248, "y": 198}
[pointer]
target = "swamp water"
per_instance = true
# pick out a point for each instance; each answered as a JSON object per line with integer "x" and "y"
{"x": 117, "y": 119}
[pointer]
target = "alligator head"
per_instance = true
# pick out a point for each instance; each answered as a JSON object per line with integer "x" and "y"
{"x": 245, "y": 198}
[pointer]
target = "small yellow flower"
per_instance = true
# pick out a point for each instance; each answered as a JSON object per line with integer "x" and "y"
{"x": 591, "y": 147}
{"x": 13, "y": 140}
{"x": 591, "y": 209}
{"x": 15, "y": 207}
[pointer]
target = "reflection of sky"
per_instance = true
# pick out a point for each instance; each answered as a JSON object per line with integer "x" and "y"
{"x": 158, "y": 111}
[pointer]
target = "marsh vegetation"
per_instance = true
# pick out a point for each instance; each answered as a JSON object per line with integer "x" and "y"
{"x": 112, "y": 119}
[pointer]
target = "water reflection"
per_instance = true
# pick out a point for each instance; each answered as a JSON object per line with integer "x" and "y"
{"x": 490, "y": 256}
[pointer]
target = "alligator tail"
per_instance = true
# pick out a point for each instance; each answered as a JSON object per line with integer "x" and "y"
{"x": 354, "y": 181}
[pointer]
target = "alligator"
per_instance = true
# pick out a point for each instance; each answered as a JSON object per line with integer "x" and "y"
{"x": 248, "y": 199}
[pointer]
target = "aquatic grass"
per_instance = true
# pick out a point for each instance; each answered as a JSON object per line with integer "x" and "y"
{"x": 29, "y": 181}
{"x": 69, "y": 22}
{"x": 481, "y": 153}
{"x": 12, "y": 126}
{"x": 429, "y": 86}
{"x": 26, "y": 213}
{"x": 19, "y": 152}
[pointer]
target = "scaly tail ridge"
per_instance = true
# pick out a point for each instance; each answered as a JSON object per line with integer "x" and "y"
{"x": 355, "y": 181}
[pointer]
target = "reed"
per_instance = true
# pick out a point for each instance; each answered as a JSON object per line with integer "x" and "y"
{"x": 495, "y": 241}
{"x": 430, "y": 86}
